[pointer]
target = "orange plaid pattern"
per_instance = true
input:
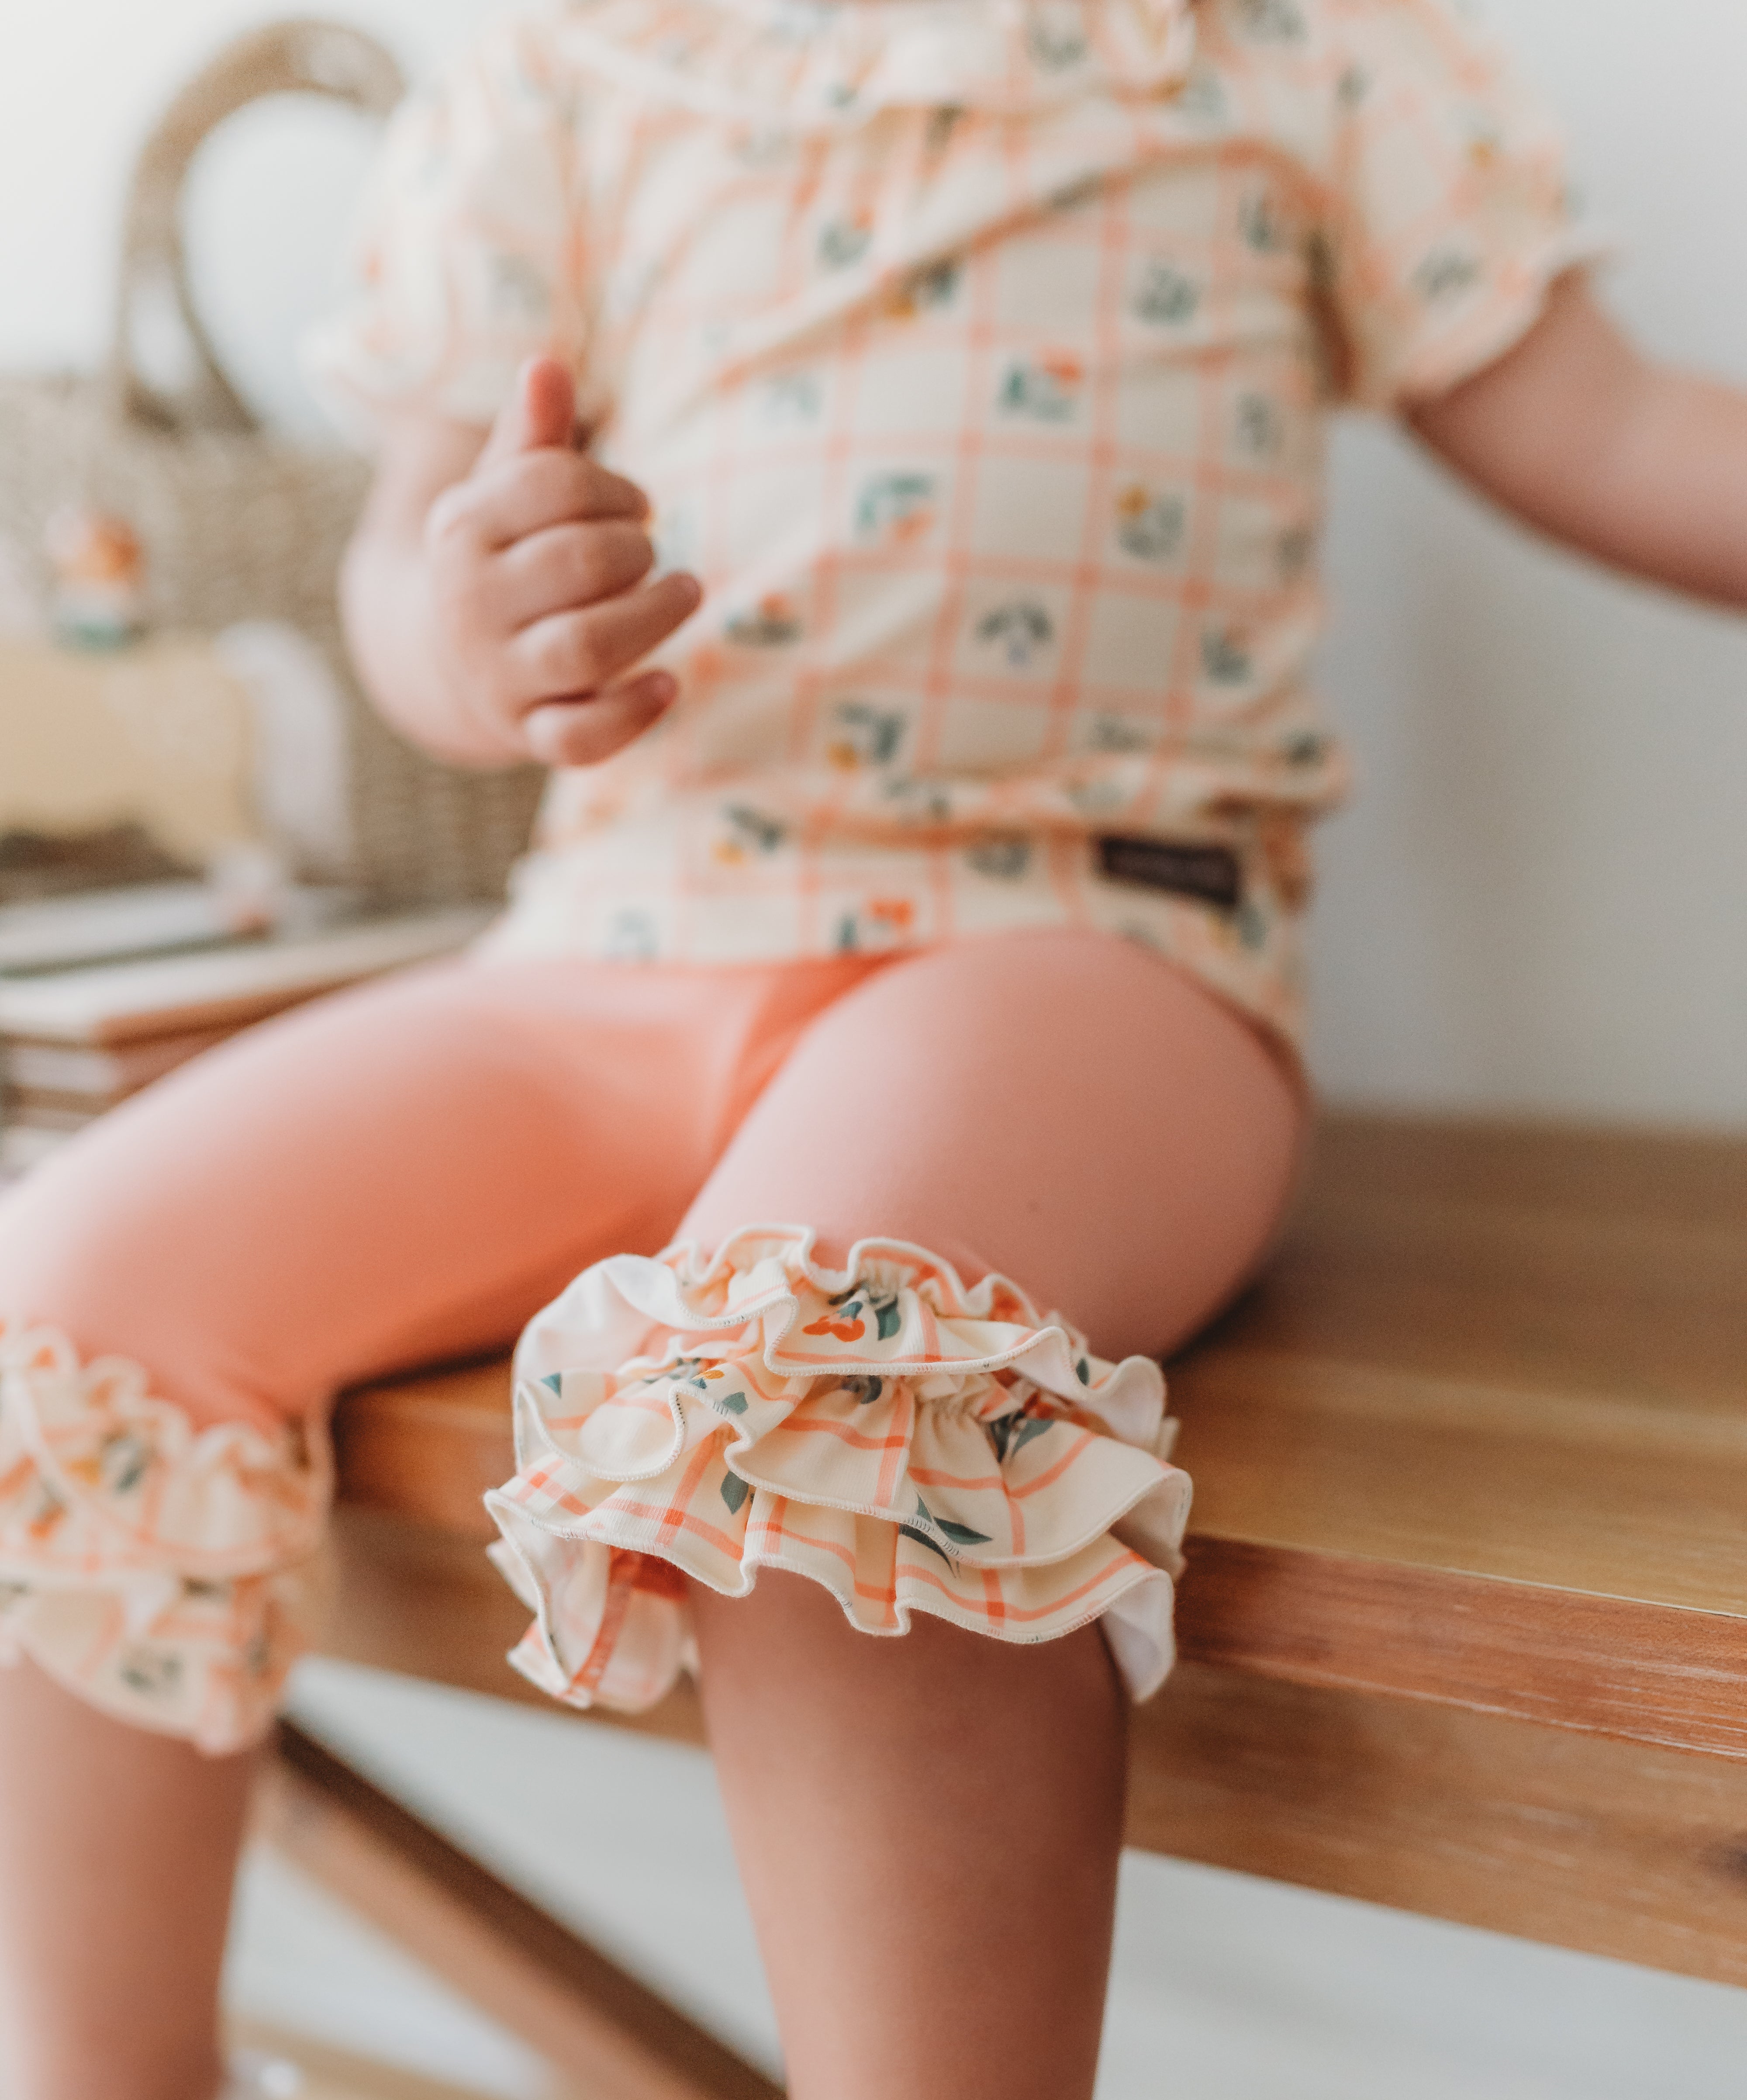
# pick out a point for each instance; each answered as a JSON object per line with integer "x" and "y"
{"x": 168, "y": 1576}
{"x": 978, "y": 357}
{"x": 908, "y": 1443}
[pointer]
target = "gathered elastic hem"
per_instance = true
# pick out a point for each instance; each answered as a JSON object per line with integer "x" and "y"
{"x": 909, "y": 1444}
{"x": 168, "y": 1575}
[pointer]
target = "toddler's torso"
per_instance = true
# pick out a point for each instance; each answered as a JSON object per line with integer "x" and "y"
{"x": 974, "y": 354}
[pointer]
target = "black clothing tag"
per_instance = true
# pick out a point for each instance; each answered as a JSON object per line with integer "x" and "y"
{"x": 1212, "y": 874}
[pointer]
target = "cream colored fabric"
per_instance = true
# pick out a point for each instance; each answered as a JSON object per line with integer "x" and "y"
{"x": 168, "y": 1575}
{"x": 908, "y": 1443}
{"x": 977, "y": 355}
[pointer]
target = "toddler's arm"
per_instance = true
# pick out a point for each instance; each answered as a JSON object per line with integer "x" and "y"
{"x": 1580, "y": 433}
{"x": 494, "y": 594}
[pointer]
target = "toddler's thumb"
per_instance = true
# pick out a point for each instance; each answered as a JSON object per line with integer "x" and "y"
{"x": 540, "y": 412}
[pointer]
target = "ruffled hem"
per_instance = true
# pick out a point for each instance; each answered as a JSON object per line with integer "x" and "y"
{"x": 168, "y": 1575}
{"x": 909, "y": 1444}
{"x": 811, "y": 64}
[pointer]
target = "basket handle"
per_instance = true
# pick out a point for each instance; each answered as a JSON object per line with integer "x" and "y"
{"x": 292, "y": 57}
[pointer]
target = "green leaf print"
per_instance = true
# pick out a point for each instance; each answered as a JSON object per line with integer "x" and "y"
{"x": 155, "y": 1672}
{"x": 124, "y": 1460}
{"x": 1010, "y": 1433}
{"x": 1272, "y": 21}
{"x": 869, "y": 735}
{"x": 896, "y": 506}
{"x": 730, "y": 1403}
{"x": 754, "y": 831}
{"x": 864, "y": 1391}
{"x": 1224, "y": 657}
{"x": 1083, "y": 1371}
{"x": 735, "y": 1492}
{"x": 553, "y": 1383}
{"x": 961, "y": 1534}
{"x": 1166, "y": 296}
{"x": 889, "y": 1318}
{"x": 1055, "y": 45}
{"x": 1002, "y": 856}
{"x": 843, "y": 242}
{"x": 1444, "y": 273}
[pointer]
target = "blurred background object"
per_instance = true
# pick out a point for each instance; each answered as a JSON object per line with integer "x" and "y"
{"x": 150, "y": 500}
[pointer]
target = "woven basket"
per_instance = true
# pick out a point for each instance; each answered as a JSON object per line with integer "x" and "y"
{"x": 236, "y": 523}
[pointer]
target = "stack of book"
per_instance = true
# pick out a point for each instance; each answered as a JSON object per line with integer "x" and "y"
{"x": 76, "y": 1039}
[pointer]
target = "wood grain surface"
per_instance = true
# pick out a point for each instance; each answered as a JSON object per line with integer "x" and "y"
{"x": 1478, "y": 1435}
{"x": 1576, "y": 1840}
{"x": 1512, "y": 1352}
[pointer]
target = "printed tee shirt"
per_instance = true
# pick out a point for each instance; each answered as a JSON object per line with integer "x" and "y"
{"x": 977, "y": 355}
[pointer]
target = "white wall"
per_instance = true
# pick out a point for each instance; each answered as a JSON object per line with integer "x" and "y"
{"x": 1539, "y": 899}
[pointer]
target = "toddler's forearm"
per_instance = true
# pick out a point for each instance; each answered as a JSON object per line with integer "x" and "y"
{"x": 1581, "y": 435}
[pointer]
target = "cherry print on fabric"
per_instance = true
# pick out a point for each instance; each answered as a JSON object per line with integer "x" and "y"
{"x": 910, "y": 1443}
{"x": 990, "y": 408}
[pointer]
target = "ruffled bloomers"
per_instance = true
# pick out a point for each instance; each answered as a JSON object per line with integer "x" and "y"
{"x": 165, "y": 1573}
{"x": 910, "y": 1443}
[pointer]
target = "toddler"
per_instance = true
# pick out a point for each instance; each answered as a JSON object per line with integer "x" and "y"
{"x": 874, "y": 453}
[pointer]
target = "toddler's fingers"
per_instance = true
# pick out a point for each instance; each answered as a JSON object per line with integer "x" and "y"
{"x": 568, "y": 566}
{"x": 504, "y": 501}
{"x": 541, "y": 411}
{"x": 585, "y": 732}
{"x": 575, "y": 654}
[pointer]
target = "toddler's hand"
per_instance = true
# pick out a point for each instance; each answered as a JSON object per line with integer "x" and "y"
{"x": 536, "y": 562}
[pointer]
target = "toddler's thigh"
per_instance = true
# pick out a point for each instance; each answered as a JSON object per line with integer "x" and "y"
{"x": 392, "y": 1174}
{"x": 1064, "y": 1107}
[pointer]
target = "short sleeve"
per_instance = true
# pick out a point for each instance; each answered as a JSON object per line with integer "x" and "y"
{"x": 469, "y": 254}
{"x": 1450, "y": 213}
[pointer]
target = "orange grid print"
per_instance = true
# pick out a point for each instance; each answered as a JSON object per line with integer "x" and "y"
{"x": 168, "y": 1575}
{"x": 910, "y": 1443}
{"x": 978, "y": 360}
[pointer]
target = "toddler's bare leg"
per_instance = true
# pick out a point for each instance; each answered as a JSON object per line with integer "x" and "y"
{"x": 403, "y": 1173}
{"x": 928, "y": 1831}
{"x": 117, "y": 1852}
{"x": 929, "y": 1827}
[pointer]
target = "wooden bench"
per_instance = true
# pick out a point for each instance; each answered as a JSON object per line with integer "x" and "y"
{"x": 1465, "y": 1625}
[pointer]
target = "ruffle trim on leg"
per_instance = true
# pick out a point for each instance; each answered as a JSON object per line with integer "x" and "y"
{"x": 910, "y": 1443}
{"x": 168, "y": 1575}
